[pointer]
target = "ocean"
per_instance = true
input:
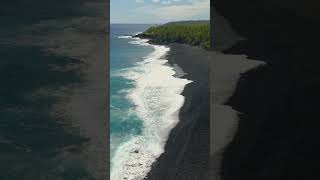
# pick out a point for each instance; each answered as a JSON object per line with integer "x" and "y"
{"x": 145, "y": 99}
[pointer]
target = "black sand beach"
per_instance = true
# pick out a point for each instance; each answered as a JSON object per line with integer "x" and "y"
{"x": 277, "y": 133}
{"x": 187, "y": 149}
{"x": 225, "y": 72}
{"x": 54, "y": 90}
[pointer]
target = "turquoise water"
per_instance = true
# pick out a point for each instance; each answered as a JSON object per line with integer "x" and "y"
{"x": 145, "y": 102}
{"x": 123, "y": 55}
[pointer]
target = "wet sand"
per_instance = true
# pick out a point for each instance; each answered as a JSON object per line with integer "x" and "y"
{"x": 186, "y": 153}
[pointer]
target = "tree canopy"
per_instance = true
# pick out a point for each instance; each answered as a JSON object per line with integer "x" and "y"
{"x": 195, "y": 33}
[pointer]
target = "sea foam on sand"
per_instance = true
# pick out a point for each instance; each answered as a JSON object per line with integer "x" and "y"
{"x": 158, "y": 99}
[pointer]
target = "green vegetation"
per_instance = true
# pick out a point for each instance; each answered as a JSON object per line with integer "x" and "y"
{"x": 195, "y": 33}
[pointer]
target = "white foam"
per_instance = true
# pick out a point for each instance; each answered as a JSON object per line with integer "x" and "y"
{"x": 137, "y": 33}
{"x": 124, "y": 37}
{"x": 138, "y": 41}
{"x": 157, "y": 96}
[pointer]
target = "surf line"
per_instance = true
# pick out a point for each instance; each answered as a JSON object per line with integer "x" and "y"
{"x": 157, "y": 98}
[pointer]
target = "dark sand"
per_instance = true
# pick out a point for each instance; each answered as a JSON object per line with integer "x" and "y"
{"x": 186, "y": 153}
{"x": 225, "y": 73}
{"x": 277, "y": 136}
{"x": 54, "y": 91}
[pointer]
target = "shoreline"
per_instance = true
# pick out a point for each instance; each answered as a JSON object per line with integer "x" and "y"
{"x": 227, "y": 71}
{"x": 278, "y": 101}
{"x": 136, "y": 156}
{"x": 185, "y": 157}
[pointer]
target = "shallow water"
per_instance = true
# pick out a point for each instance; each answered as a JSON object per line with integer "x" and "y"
{"x": 145, "y": 102}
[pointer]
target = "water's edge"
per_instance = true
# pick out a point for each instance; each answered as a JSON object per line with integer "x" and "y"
{"x": 158, "y": 98}
{"x": 187, "y": 149}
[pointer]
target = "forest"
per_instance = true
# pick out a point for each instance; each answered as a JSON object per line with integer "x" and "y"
{"x": 196, "y": 33}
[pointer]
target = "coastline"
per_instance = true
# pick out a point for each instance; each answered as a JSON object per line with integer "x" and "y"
{"x": 157, "y": 99}
{"x": 185, "y": 157}
{"x": 279, "y": 100}
{"x": 227, "y": 72}
{"x": 187, "y": 149}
